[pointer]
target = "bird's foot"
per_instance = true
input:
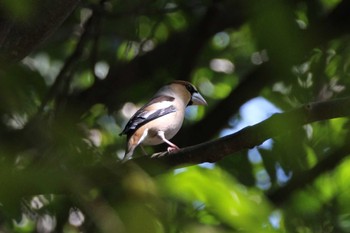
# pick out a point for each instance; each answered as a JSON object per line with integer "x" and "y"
{"x": 159, "y": 154}
{"x": 172, "y": 149}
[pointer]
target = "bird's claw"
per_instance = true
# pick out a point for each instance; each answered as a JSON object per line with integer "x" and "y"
{"x": 159, "y": 154}
{"x": 170, "y": 150}
{"x": 173, "y": 149}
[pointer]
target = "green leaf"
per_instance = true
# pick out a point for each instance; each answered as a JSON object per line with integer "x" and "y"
{"x": 231, "y": 203}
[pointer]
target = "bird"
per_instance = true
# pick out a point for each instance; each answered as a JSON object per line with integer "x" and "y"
{"x": 161, "y": 118}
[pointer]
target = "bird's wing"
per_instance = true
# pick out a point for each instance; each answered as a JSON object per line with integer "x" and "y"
{"x": 157, "y": 107}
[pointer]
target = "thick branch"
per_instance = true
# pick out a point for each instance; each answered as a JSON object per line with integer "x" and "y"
{"x": 252, "y": 136}
{"x": 54, "y": 180}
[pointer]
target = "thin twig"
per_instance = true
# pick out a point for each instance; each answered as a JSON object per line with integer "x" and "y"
{"x": 300, "y": 180}
{"x": 96, "y": 37}
{"x": 64, "y": 75}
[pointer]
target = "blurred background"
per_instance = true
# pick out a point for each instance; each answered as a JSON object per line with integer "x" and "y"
{"x": 73, "y": 72}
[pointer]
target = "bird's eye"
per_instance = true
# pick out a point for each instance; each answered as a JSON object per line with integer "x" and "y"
{"x": 190, "y": 88}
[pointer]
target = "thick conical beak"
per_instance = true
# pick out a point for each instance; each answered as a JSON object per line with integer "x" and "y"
{"x": 197, "y": 99}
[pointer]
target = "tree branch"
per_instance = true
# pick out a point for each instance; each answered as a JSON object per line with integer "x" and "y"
{"x": 111, "y": 91}
{"x": 18, "y": 39}
{"x": 177, "y": 56}
{"x": 252, "y": 136}
{"x": 218, "y": 117}
{"x": 299, "y": 181}
{"x": 51, "y": 179}
{"x": 65, "y": 74}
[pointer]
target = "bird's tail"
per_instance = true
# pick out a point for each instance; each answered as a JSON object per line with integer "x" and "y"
{"x": 129, "y": 151}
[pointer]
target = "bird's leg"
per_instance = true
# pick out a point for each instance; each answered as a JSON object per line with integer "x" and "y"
{"x": 173, "y": 148}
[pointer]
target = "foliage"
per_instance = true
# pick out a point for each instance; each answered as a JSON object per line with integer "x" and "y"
{"x": 63, "y": 106}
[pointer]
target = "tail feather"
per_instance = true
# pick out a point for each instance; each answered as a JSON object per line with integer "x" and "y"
{"x": 129, "y": 151}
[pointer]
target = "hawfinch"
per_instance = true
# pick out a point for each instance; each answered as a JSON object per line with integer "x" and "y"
{"x": 161, "y": 118}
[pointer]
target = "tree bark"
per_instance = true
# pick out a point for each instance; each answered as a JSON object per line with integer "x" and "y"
{"x": 19, "y": 37}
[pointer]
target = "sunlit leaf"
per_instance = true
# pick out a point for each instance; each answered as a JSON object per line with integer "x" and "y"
{"x": 233, "y": 204}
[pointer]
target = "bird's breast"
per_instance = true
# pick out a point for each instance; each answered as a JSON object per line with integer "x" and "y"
{"x": 170, "y": 124}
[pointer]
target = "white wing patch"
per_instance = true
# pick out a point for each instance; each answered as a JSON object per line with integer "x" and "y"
{"x": 157, "y": 107}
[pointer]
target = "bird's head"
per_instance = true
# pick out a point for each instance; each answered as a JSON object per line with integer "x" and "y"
{"x": 188, "y": 92}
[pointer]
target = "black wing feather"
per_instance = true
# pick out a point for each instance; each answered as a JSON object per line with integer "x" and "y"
{"x": 142, "y": 117}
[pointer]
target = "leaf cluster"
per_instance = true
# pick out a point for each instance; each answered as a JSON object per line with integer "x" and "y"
{"x": 72, "y": 73}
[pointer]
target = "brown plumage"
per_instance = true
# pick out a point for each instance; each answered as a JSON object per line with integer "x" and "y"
{"x": 161, "y": 118}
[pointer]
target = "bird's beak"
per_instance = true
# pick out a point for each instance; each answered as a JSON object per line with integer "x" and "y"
{"x": 197, "y": 99}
